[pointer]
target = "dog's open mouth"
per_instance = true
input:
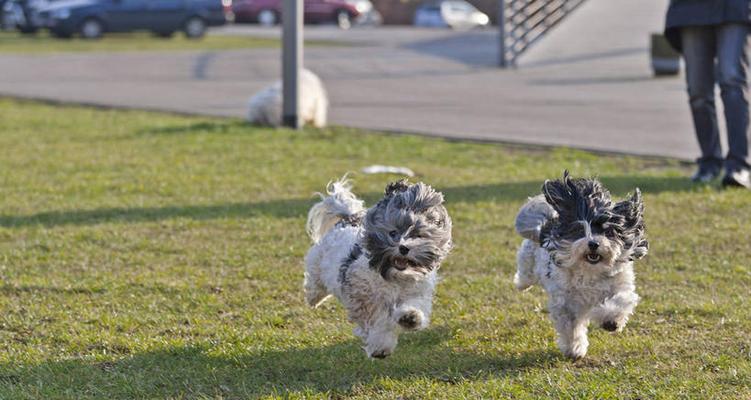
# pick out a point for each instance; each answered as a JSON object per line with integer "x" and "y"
{"x": 593, "y": 258}
{"x": 401, "y": 263}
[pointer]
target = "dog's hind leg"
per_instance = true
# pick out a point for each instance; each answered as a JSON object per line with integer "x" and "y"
{"x": 320, "y": 114}
{"x": 525, "y": 265}
{"x": 315, "y": 291}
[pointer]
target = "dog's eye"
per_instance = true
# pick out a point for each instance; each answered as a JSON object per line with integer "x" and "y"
{"x": 394, "y": 234}
{"x": 576, "y": 230}
{"x": 601, "y": 223}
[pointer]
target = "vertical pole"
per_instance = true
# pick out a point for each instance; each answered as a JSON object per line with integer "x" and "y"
{"x": 503, "y": 62}
{"x": 292, "y": 19}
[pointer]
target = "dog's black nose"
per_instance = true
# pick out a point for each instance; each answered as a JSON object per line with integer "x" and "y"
{"x": 593, "y": 245}
{"x": 404, "y": 250}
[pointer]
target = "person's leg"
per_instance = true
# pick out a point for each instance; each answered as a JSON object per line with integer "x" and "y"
{"x": 699, "y": 53}
{"x": 732, "y": 62}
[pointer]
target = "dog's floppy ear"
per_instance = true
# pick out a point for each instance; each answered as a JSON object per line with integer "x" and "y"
{"x": 632, "y": 211}
{"x": 424, "y": 197}
{"x": 561, "y": 194}
{"x": 398, "y": 186}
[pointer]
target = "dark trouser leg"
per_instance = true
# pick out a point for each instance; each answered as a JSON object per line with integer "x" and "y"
{"x": 732, "y": 62}
{"x": 699, "y": 53}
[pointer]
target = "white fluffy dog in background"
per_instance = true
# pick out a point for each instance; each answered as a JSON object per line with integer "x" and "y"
{"x": 265, "y": 107}
{"x": 381, "y": 263}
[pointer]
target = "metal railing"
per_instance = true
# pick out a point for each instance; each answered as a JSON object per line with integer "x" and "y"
{"x": 523, "y": 22}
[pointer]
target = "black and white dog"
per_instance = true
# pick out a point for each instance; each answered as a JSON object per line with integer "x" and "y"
{"x": 381, "y": 263}
{"x": 580, "y": 246}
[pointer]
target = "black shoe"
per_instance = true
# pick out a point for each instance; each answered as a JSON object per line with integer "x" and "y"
{"x": 705, "y": 174}
{"x": 738, "y": 178}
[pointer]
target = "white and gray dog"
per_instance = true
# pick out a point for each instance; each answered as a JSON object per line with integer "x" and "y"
{"x": 265, "y": 107}
{"x": 580, "y": 247}
{"x": 381, "y": 263}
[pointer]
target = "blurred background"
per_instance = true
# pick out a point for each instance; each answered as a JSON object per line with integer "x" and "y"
{"x": 585, "y": 74}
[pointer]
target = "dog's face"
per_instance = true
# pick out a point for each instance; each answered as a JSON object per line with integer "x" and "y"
{"x": 592, "y": 231}
{"x": 408, "y": 233}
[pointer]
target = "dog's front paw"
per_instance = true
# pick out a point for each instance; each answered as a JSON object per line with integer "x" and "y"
{"x": 576, "y": 349}
{"x": 576, "y": 352}
{"x": 380, "y": 354}
{"x": 574, "y": 356}
{"x": 611, "y": 326}
{"x": 410, "y": 320}
{"x": 380, "y": 344}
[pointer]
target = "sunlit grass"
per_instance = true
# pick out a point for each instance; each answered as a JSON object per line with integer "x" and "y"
{"x": 147, "y": 255}
{"x": 42, "y": 42}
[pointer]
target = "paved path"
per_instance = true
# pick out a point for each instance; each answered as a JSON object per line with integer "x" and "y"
{"x": 588, "y": 85}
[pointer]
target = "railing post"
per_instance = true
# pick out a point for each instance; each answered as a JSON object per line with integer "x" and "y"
{"x": 502, "y": 61}
{"x": 291, "y": 61}
{"x": 527, "y": 22}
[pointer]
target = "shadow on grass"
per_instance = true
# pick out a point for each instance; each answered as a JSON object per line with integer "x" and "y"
{"x": 619, "y": 186}
{"x": 132, "y": 288}
{"x": 292, "y": 208}
{"x": 197, "y": 372}
{"x": 515, "y": 192}
{"x": 213, "y": 127}
{"x": 19, "y": 290}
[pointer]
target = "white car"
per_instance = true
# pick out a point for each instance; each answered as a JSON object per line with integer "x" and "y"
{"x": 368, "y": 14}
{"x": 456, "y": 14}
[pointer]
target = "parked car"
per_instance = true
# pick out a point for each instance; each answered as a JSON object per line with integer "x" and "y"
{"x": 2, "y": 15}
{"x": 455, "y": 14}
{"x": 23, "y": 15}
{"x": 269, "y": 12}
{"x": 7, "y": 15}
{"x": 92, "y": 18}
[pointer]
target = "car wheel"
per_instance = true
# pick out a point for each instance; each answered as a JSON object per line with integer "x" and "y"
{"x": 267, "y": 18}
{"x": 343, "y": 19}
{"x": 194, "y": 28}
{"x": 91, "y": 28}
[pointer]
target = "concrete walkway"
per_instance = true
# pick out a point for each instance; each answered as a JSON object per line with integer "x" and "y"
{"x": 588, "y": 85}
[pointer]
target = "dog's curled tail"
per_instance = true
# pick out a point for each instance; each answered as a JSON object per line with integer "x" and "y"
{"x": 338, "y": 203}
{"x": 533, "y": 216}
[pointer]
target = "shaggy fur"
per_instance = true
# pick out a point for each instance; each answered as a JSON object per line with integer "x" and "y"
{"x": 580, "y": 247}
{"x": 265, "y": 107}
{"x": 380, "y": 263}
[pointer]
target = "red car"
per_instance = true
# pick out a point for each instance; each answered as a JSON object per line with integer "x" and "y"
{"x": 269, "y": 12}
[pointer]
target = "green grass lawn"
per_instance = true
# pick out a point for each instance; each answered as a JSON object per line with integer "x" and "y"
{"x": 12, "y": 42}
{"x": 147, "y": 255}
